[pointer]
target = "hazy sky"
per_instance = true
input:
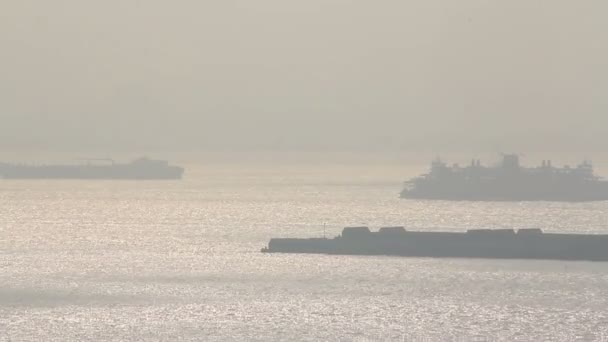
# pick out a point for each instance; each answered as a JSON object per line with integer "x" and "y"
{"x": 306, "y": 75}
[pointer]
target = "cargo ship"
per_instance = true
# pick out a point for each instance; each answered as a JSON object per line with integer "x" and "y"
{"x": 142, "y": 168}
{"x": 530, "y": 243}
{"x": 507, "y": 181}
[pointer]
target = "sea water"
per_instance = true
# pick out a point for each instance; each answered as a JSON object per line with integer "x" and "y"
{"x": 181, "y": 261}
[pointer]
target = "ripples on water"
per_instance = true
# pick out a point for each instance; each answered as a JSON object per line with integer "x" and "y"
{"x": 180, "y": 261}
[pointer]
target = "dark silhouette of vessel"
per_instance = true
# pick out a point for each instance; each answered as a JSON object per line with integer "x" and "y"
{"x": 142, "y": 168}
{"x": 508, "y": 182}
{"x": 474, "y": 243}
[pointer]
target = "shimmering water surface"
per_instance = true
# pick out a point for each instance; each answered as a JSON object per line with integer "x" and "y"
{"x": 106, "y": 260}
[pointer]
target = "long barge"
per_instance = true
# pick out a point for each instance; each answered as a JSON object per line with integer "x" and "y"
{"x": 475, "y": 243}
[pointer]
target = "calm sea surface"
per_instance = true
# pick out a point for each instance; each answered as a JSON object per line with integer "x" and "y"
{"x": 180, "y": 261}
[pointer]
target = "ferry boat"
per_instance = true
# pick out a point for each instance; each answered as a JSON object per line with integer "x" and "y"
{"x": 508, "y": 182}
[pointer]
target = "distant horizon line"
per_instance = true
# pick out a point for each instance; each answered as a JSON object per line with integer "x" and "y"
{"x": 303, "y": 155}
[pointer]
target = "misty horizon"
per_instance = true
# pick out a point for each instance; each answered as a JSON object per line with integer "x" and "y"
{"x": 322, "y": 170}
{"x": 320, "y": 76}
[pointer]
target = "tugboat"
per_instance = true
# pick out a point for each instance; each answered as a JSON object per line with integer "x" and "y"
{"x": 530, "y": 243}
{"x": 142, "y": 168}
{"x": 508, "y": 182}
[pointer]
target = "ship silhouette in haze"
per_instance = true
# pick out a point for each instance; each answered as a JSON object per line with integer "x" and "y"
{"x": 142, "y": 168}
{"x": 508, "y": 182}
{"x": 530, "y": 243}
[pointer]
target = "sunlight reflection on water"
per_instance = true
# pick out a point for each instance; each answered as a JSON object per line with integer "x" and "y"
{"x": 181, "y": 261}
